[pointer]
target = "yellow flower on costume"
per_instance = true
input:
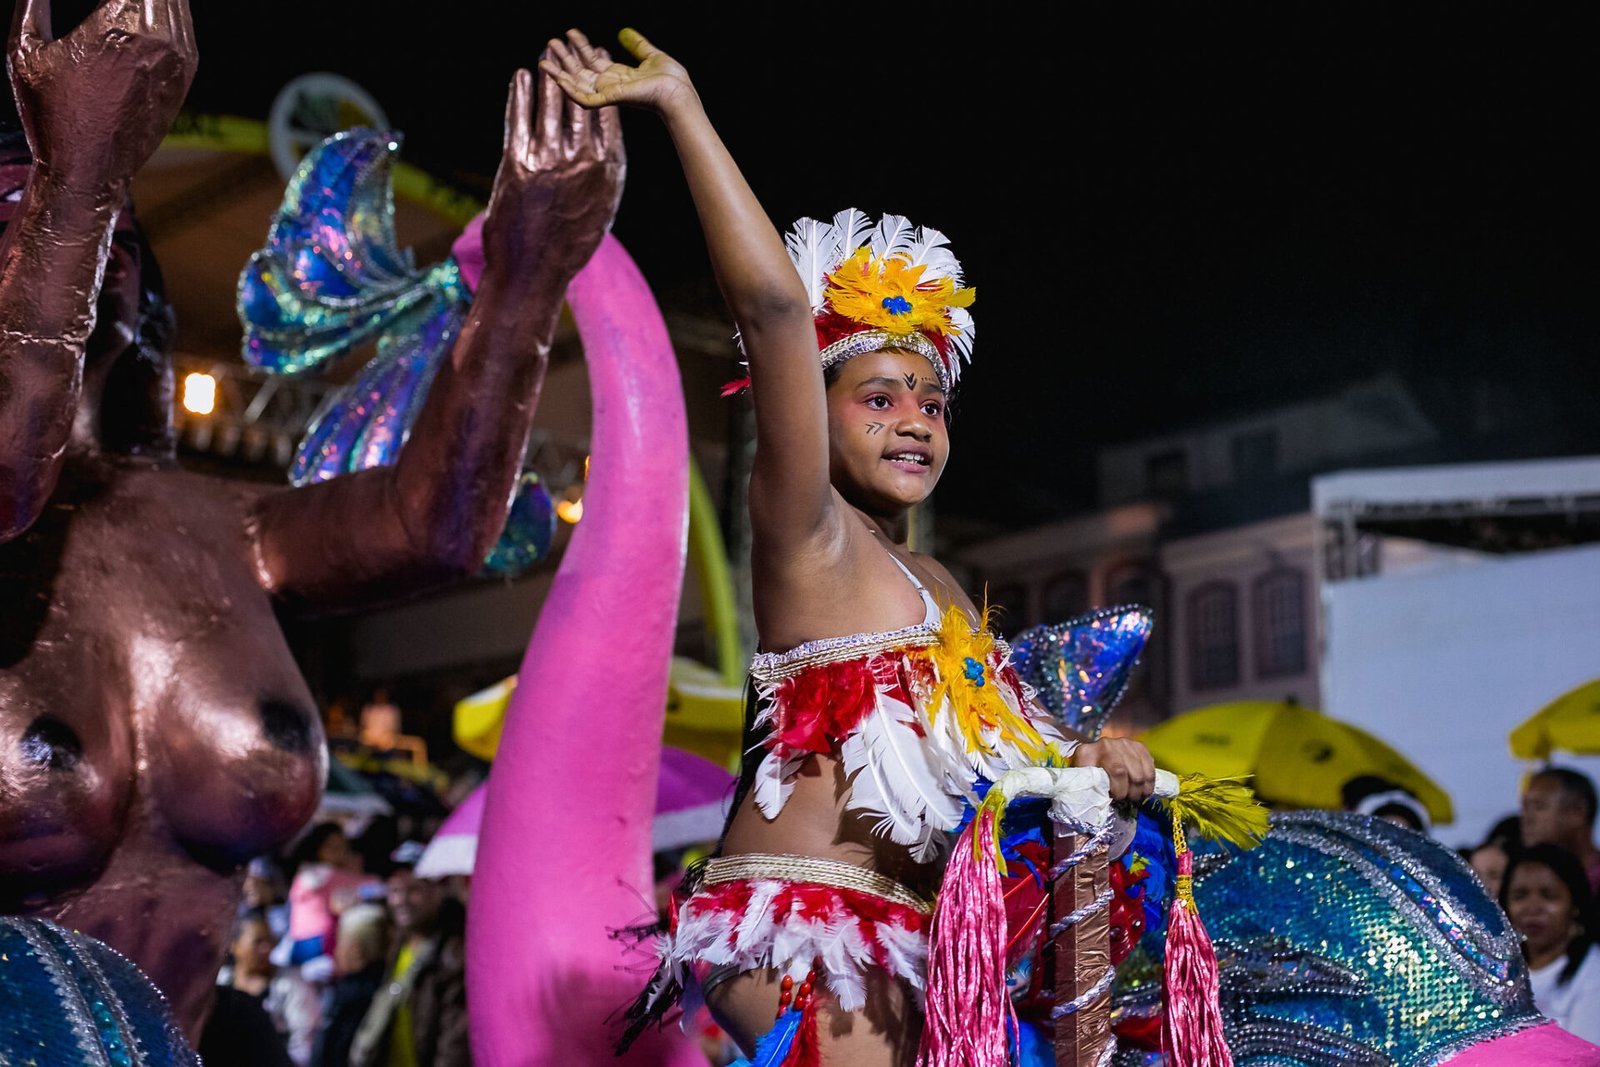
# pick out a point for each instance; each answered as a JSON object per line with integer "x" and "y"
{"x": 967, "y": 687}
{"x": 889, "y": 294}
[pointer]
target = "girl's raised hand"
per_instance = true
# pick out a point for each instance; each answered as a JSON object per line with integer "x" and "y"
{"x": 589, "y": 77}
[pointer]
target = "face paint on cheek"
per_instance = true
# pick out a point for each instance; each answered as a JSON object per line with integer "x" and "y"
{"x": 874, "y": 427}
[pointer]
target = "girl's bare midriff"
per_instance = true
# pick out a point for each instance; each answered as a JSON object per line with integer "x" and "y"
{"x": 815, "y": 822}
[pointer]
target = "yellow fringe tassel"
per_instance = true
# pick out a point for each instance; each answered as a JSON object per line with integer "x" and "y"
{"x": 1221, "y": 809}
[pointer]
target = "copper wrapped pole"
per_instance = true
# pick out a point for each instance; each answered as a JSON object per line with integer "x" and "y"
{"x": 1081, "y": 953}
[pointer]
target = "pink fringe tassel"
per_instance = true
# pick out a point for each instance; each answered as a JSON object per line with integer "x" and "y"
{"x": 967, "y": 1002}
{"x": 1192, "y": 1024}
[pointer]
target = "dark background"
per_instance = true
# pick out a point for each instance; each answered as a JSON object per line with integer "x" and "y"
{"x": 1170, "y": 213}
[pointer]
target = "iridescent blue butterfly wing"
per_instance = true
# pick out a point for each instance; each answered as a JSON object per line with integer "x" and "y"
{"x": 331, "y": 274}
{"x": 332, "y": 277}
{"x": 365, "y": 422}
{"x": 1080, "y": 667}
{"x": 529, "y": 530}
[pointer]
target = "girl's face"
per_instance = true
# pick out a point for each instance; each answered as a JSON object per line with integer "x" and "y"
{"x": 1540, "y": 908}
{"x": 887, "y": 440}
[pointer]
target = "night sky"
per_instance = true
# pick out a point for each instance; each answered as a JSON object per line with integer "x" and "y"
{"x": 1169, "y": 212}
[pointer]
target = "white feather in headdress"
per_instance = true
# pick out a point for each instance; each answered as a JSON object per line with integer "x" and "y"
{"x": 813, "y": 248}
{"x": 851, "y": 228}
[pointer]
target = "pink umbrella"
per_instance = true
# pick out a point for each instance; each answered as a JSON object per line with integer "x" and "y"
{"x": 692, "y": 797}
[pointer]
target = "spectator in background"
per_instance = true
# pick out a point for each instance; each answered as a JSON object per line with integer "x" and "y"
{"x": 327, "y": 879}
{"x": 1558, "y": 808}
{"x": 419, "y": 1017}
{"x": 362, "y": 949}
{"x": 289, "y": 1002}
{"x": 1489, "y": 861}
{"x": 1547, "y": 898}
{"x": 1383, "y": 799}
{"x": 263, "y": 892}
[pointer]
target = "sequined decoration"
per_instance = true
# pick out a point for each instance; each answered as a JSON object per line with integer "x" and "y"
{"x": 1080, "y": 667}
{"x": 529, "y": 529}
{"x": 332, "y": 277}
{"x": 1344, "y": 939}
{"x": 72, "y": 1001}
{"x": 331, "y": 274}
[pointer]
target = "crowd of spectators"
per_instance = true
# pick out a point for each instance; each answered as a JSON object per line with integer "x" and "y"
{"x": 1544, "y": 869}
{"x": 337, "y": 961}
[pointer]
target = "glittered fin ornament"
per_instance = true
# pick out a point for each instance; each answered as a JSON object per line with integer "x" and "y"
{"x": 332, "y": 277}
{"x": 1081, "y": 666}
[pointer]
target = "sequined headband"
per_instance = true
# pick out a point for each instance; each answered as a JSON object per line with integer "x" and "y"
{"x": 864, "y": 341}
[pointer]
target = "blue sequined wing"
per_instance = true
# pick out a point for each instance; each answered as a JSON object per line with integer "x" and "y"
{"x": 1080, "y": 667}
{"x": 331, "y": 278}
{"x": 331, "y": 274}
{"x": 364, "y": 423}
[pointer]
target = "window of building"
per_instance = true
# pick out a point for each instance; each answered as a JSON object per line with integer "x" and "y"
{"x": 1065, "y": 595}
{"x": 1131, "y": 583}
{"x": 1255, "y": 455}
{"x": 1166, "y": 473}
{"x": 1010, "y": 601}
{"x": 1279, "y": 614}
{"x": 1213, "y": 636}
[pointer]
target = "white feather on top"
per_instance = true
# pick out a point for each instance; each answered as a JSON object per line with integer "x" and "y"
{"x": 812, "y": 248}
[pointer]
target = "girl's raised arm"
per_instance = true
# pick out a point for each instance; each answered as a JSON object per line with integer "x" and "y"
{"x": 791, "y": 502}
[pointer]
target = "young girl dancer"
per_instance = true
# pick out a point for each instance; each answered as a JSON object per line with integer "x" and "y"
{"x": 885, "y": 703}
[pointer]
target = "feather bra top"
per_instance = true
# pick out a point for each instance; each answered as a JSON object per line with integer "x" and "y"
{"x": 916, "y": 715}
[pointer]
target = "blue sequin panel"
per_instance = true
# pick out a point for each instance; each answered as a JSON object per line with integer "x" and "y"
{"x": 1343, "y": 939}
{"x": 67, "y": 1000}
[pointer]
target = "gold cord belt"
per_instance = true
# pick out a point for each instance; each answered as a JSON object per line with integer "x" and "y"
{"x": 762, "y": 866}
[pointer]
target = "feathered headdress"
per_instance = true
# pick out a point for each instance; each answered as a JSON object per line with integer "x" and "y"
{"x": 893, "y": 285}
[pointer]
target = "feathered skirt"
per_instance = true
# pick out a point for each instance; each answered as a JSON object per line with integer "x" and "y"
{"x": 798, "y": 915}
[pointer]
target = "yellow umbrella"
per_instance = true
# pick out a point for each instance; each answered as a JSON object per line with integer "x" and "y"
{"x": 1299, "y": 757}
{"x": 705, "y": 715}
{"x": 1570, "y": 722}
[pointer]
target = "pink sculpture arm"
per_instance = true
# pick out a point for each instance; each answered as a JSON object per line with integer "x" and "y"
{"x": 564, "y": 851}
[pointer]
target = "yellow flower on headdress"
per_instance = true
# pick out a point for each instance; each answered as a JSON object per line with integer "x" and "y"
{"x": 889, "y": 294}
{"x": 967, "y": 687}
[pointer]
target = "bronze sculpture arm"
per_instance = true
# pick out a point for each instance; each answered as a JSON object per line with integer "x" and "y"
{"x": 94, "y": 105}
{"x": 434, "y": 515}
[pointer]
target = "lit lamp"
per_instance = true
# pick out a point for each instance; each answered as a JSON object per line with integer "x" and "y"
{"x": 570, "y": 510}
{"x": 199, "y": 393}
